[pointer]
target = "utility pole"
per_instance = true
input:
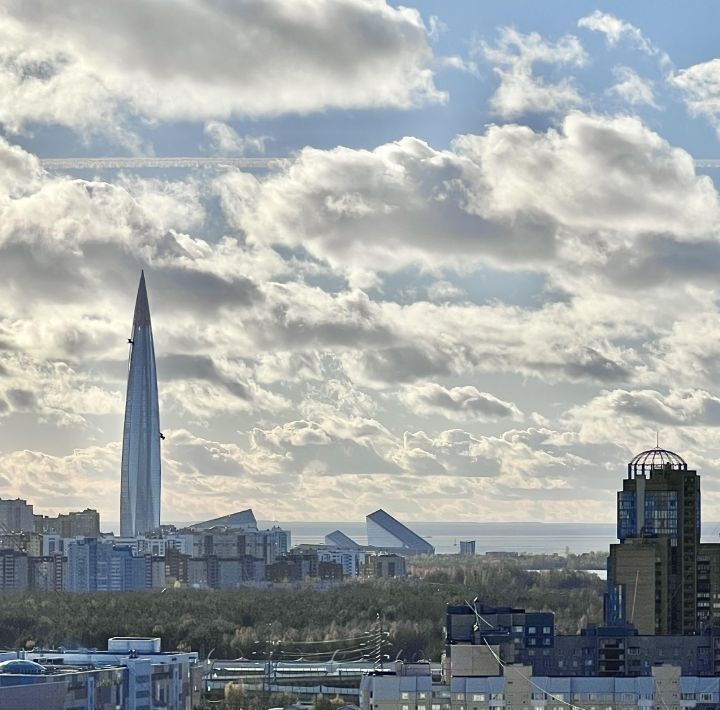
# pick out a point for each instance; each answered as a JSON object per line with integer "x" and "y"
{"x": 378, "y": 643}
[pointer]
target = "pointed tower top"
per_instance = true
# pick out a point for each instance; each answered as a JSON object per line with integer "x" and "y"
{"x": 142, "y": 308}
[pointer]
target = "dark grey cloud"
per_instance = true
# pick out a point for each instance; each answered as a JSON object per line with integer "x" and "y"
{"x": 588, "y": 363}
{"x": 676, "y": 408}
{"x": 179, "y": 366}
{"x": 22, "y": 400}
{"x": 404, "y": 363}
{"x": 462, "y": 403}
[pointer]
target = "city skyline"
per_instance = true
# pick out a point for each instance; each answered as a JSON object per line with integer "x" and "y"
{"x": 480, "y": 279}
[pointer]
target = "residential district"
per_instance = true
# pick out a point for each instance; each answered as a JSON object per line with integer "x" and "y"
{"x": 658, "y": 647}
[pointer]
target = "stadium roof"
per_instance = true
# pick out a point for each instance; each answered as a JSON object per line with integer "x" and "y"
{"x": 243, "y": 519}
{"x": 386, "y": 532}
{"x": 340, "y": 539}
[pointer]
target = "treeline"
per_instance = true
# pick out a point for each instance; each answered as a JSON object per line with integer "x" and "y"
{"x": 252, "y": 622}
{"x": 465, "y": 565}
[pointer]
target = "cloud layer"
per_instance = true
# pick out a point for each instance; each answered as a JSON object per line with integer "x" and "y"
{"x": 488, "y": 324}
{"x": 87, "y": 65}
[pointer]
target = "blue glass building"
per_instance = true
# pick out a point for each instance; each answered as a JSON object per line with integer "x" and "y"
{"x": 140, "y": 470}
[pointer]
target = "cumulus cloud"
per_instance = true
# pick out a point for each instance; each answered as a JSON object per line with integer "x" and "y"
{"x": 90, "y": 65}
{"x": 224, "y": 139}
{"x": 269, "y": 346}
{"x": 617, "y": 30}
{"x": 460, "y": 403}
{"x": 676, "y": 408}
{"x": 700, "y": 86}
{"x": 596, "y": 187}
{"x": 631, "y": 87}
{"x": 444, "y": 290}
{"x": 520, "y": 91}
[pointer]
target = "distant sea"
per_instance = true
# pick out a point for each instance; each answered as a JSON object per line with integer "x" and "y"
{"x": 445, "y": 537}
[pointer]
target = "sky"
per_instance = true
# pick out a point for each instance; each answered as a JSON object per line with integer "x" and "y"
{"x": 480, "y": 277}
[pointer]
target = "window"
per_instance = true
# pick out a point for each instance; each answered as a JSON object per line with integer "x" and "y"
{"x": 404, "y": 696}
{"x": 547, "y": 630}
{"x": 405, "y": 707}
{"x": 422, "y": 695}
{"x": 479, "y": 697}
{"x": 497, "y": 696}
{"x": 532, "y": 629}
{"x": 436, "y": 707}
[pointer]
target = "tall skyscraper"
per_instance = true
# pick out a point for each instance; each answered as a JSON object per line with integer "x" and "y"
{"x": 652, "y": 573}
{"x": 140, "y": 473}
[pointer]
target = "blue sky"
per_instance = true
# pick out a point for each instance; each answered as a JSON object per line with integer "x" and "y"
{"x": 482, "y": 277}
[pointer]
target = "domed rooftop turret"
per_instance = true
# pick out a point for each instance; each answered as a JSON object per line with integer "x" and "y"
{"x": 655, "y": 458}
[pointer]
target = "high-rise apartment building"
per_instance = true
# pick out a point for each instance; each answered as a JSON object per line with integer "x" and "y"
{"x": 653, "y": 571}
{"x": 82, "y": 523}
{"x": 140, "y": 473}
{"x": 16, "y": 516}
{"x": 13, "y": 571}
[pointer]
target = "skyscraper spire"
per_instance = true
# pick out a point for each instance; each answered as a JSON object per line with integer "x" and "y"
{"x": 140, "y": 469}
{"x": 142, "y": 308}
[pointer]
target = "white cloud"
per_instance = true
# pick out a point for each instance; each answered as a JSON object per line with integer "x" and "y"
{"x": 445, "y": 291}
{"x": 700, "y": 85}
{"x": 298, "y": 381}
{"x": 617, "y": 30}
{"x": 225, "y": 140}
{"x": 522, "y": 92}
{"x": 90, "y": 65}
{"x": 605, "y": 193}
{"x": 633, "y": 88}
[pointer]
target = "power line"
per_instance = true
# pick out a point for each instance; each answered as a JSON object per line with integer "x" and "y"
{"x": 535, "y": 685}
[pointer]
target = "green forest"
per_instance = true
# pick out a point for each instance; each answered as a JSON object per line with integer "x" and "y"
{"x": 249, "y": 621}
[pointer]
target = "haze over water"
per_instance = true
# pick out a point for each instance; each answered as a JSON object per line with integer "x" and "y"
{"x": 541, "y": 538}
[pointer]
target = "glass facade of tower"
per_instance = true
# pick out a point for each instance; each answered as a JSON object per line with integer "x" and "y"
{"x": 627, "y": 515}
{"x": 652, "y": 573}
{"x": 140, "y": 470}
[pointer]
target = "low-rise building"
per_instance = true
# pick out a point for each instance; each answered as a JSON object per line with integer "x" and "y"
{"x": 133, "y": 674}
{"x": 529, "y": 638}
{"x": 517, "y": 689}
{"x": 380, "y": 566}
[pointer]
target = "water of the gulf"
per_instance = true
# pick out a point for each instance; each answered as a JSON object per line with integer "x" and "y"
{"x": 445, "y": 537}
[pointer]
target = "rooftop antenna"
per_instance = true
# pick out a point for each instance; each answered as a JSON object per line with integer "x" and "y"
{"x": 657, "y": 439}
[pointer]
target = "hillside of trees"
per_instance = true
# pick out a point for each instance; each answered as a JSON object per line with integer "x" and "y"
{"x": 249, "y": 621}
